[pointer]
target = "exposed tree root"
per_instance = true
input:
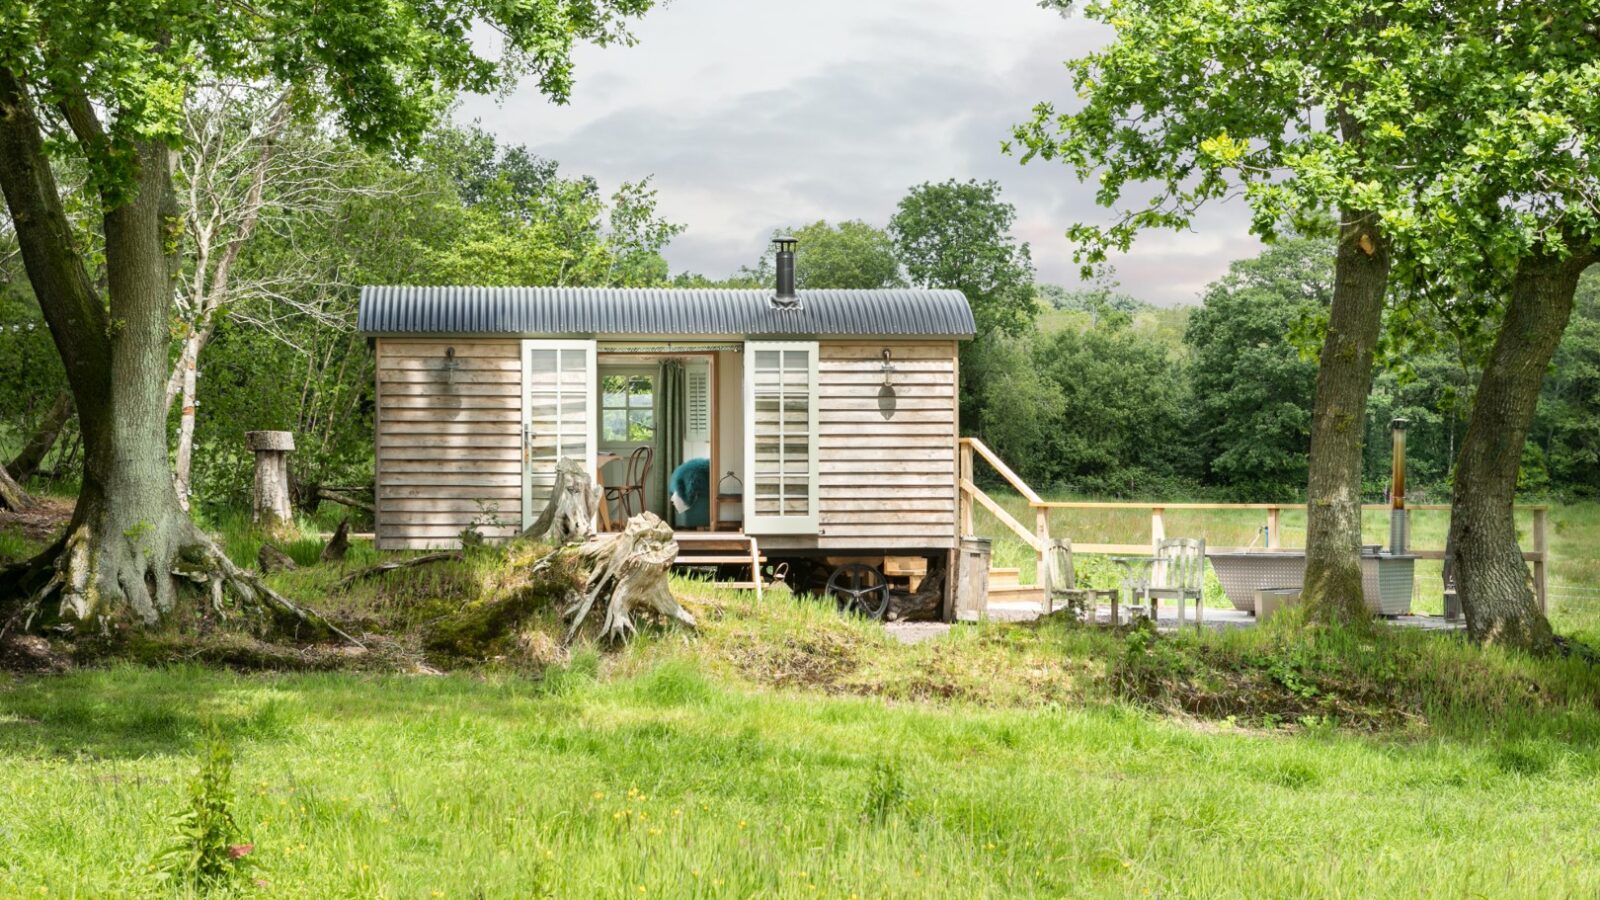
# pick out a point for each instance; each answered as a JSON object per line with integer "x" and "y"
{"x": 12, "y": 496}
{"x": 631, "y": 571}
{"x": 83, "y": 582}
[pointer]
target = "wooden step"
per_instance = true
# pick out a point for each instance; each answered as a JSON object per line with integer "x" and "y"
{"x": 1004, "y": 577}
{"x": 1015, "y": 593}
{"x": 696, "y": 559}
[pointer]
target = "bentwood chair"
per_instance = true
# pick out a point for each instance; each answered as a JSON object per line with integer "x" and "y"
{"x": 632, "y": 486}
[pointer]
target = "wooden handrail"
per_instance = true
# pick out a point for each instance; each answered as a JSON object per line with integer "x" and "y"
{"x": 1004, "y": 470}
{"x": 1000, "y": 513}
{"x": 1039, "y": 539}
{"x": 1129, "y": 504}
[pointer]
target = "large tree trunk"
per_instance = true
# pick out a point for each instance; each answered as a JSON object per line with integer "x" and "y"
{"x": 129, "y": 544}
{"x": 44, "y": 438}
{"x": 1344, "y": 379}
{"x": 1491, "y": 576}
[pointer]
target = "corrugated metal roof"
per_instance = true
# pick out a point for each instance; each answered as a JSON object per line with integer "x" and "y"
{"x": 536, "y": 311}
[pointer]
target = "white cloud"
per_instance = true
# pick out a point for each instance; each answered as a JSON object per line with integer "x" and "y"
{"x": 755, "y": 114}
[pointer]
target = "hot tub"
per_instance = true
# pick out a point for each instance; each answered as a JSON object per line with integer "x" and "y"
{"x": 1386, "y": 578}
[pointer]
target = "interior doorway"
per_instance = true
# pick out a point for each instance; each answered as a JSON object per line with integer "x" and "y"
{"x": 627, "y": 425}
{"x": 662, "y": 404}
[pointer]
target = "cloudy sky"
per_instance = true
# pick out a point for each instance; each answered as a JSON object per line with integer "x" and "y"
{"x": 758, "y": 114}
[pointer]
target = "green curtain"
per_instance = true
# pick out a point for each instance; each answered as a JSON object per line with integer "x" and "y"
{"x": 671, "y": 396}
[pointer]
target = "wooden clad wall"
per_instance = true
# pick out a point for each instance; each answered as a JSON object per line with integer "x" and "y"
{"x": 448, "y": 453}
{"x": 888, "y": 483}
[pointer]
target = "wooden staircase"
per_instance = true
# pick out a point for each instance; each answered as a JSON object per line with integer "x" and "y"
{"x": 1005, "y": 584}
{"x": 722, "y": 548}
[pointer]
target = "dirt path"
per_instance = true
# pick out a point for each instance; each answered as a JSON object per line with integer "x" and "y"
{"x": 40, "y": 524}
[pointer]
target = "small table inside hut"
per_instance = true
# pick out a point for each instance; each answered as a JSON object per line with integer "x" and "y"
{"x": 601, "y": 460}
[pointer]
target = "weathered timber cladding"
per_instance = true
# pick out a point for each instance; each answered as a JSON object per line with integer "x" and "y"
{"x": 449, "y": 432}
{"x": 887, "y": 483}
{"x": 449, "y": 444}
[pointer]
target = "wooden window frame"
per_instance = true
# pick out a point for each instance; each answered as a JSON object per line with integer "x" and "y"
{"x": 754, "y": 522}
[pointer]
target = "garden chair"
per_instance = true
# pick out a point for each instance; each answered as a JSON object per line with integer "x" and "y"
{"x": 1178, "y": 573}
{"x": 1061, "y": 586}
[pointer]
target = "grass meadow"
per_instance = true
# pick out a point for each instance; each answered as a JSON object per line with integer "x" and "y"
{"x": 665, "y": 770}
{"x": 786, "y": 751}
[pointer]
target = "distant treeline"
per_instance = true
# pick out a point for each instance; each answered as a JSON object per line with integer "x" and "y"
{"x": 1111, "y": 397}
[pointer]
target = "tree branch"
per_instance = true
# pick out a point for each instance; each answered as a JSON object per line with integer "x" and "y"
{"x": 78, "y": 320}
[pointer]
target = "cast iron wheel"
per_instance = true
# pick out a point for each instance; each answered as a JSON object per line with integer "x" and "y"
{"x": 860, "y": 588}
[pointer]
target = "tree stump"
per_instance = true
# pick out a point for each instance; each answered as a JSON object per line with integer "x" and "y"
{"x": 568, "y": 516}
{"x": 270, "y": 500}
{"x": 271, "y": 559}
{"x": 339, "y": 544}
{"x": 630, "y": 571}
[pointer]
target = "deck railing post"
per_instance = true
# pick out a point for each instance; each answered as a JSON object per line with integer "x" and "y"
{"x": 1541, "y": 547}
{"x": 1158, "y": 533}
{"x": 1041, "y": 528}
{"x": 1274, "y": 527}
{"x": 964, "y": 499}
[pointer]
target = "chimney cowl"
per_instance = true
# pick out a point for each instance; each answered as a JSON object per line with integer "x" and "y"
{"x": 785, "y": 298}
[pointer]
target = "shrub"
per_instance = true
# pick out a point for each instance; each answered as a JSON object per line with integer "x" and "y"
{"x": 207, "y": 848}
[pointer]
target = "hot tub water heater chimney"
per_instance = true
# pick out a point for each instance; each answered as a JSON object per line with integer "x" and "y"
{"x": 785, "y": 298}
{"x": 1398, "y": 520}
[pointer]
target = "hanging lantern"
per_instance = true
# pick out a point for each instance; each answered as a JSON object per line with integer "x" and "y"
{"x": 450, "y": 365}
{"x": 886, "y": 396}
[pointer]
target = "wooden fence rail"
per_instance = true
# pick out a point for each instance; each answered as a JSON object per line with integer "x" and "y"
{"x": 973, "y": 449}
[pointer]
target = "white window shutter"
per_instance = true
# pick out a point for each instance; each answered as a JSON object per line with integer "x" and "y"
{"x": 697, "y": 430}
{"x": 780, "y": 416}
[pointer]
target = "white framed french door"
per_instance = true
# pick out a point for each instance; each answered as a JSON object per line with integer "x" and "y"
{"x": 780, "y": 438}
{"x": 558, "y": 415}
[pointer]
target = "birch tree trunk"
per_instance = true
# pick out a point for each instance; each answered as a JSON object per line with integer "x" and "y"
{"x": 183, "y": 462}
{"x": 1492, "y": 579}
{"x": 222, "y": 211}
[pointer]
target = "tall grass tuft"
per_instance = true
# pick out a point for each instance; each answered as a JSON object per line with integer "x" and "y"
{"x": 886, "y": 793}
